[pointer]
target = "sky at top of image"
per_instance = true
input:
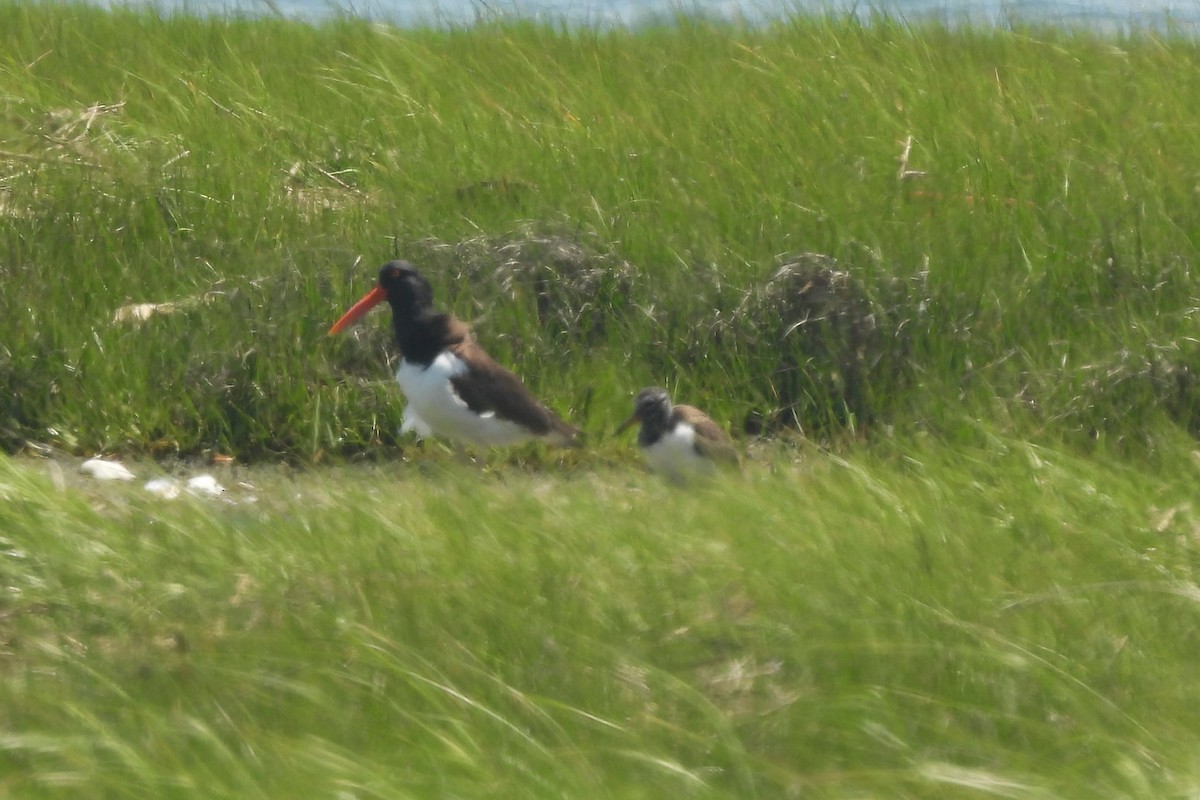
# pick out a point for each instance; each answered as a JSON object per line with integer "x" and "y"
{"x": 1179, "y": 16}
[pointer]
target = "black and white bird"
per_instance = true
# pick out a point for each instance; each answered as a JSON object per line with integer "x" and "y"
{"x": 678, "y": 441}
{"x": 454, "y": 389}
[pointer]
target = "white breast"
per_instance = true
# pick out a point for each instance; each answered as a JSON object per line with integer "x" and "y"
{"x": 675, "y": 454}
{"x": 434, "y": 408}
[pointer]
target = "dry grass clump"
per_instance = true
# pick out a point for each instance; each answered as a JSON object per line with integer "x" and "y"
{"x": 574, "y": 283}
{"x": 823, "y": 344}
{"x": 316, "y": 187}
{"x": 1133, "y": 385}
{"x": 33, "y": 141}
{"x": 74, "y": 133}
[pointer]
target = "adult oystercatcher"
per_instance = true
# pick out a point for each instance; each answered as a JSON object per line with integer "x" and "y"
{"x": 679, "y": 441}
{"x": 454, "y": 388}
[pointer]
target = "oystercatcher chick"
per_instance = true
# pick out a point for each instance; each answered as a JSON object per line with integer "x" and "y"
{"x": 454, "y": 389}
{"x": 679, "y": 441}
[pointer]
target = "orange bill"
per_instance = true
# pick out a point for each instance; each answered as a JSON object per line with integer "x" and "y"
{"x": 359, "y": 309}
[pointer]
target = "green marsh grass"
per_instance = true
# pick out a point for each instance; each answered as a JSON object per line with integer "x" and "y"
{"x": 974, "y": 575}
{"x": 1000, "y": 619}
{"x": 1033, "y": 261}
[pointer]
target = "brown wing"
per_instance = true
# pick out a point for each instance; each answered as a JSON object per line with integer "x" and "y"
{"x": 711, "y": 439}
{"x": 490, "y": 387}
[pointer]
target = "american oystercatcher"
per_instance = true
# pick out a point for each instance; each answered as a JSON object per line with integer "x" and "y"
{"x": 678, "y": 441}
{"x": 454, "y": 388}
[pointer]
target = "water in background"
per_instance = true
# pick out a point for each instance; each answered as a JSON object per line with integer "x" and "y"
{"x": 1182, "y": 16}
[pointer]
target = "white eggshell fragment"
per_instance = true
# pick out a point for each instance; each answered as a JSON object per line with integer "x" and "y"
{"x": 166, "y": 488}
{"x": 205, "y": 484}
{"x": 104, "y": 470}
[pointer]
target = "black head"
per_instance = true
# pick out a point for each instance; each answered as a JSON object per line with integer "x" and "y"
{"x": 652, "y": 408}
{"x": 652, "y": 405}
{"x": 408, "y": 293}
{"x": 405, "y": 289}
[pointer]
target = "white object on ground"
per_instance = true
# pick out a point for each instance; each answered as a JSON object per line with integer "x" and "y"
{"x": 137, "y": 313}
{"x": 104, "y": 470}
{"x": 197, "y": 486}
{"x": 166, "y": 488}
{"x": 205, "y": 484}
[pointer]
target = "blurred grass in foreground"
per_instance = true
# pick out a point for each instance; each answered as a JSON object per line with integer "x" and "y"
{"x": 910, "y": 622}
